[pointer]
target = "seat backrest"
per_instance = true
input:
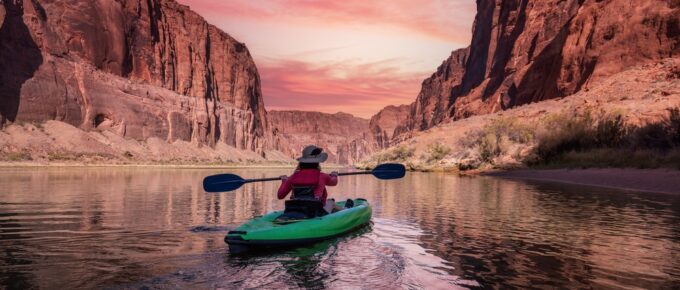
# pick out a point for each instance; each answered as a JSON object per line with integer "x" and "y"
{"x": 301, "y": 208}
{"x": 305, "y": 192}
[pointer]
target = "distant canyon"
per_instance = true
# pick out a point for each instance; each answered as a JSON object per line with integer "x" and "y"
{"x": 152, "y": 81}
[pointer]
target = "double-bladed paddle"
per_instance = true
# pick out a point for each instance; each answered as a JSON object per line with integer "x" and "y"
{"x": 229, "y": 182}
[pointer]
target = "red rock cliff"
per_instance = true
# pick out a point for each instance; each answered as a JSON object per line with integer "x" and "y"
{"x": 149, "y": 68}
{"x": 383, "y": 124}
{"x": 344, "y": 137}
{"x": 525, "y": 51}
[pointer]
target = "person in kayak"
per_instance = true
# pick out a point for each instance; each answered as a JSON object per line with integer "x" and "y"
{"x": 308, "y": 182}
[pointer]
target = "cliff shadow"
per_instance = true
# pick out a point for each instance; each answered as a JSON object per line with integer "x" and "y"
{"x": 540, "y": 81}
{"x": 476, "y": 64}
{"x": 497, "y": 74}
{"x": 20, "y": 58}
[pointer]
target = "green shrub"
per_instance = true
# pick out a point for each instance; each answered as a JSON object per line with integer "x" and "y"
{"x": 63, "y": 156}
{"x": 564, "y": 133}
{"x": 18, "y": 156}
{"x": 610, "y": 131}
{"x": 673, "y": 125}
{"x": 399, "y": 153}
{"x": 584, "y": 141}
{"x": 499, "y": 135}
{"x": 436, "y": 152}
{"x": 654, "y": 135}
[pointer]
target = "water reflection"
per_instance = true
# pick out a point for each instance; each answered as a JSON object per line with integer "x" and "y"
{"x": 126, "y": 227}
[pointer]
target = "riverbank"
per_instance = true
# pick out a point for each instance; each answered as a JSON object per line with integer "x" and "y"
{"x": 75, "y": 164}
{"x": 651, "y": 180}
{"x": 62, "y": 143}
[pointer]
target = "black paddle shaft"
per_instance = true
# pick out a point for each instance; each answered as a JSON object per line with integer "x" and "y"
{"x": 262, "y": 179}
{"x": 279, "y": 178}
{"x": 229, "y": 182}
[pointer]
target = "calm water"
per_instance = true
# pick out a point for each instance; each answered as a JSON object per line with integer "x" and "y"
{"x": 156, "y": 228}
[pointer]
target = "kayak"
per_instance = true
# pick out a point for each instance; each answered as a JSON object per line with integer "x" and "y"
{"x": 268, "y": 232}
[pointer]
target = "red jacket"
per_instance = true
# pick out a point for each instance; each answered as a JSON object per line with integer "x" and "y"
{"x": 308, "y": 177}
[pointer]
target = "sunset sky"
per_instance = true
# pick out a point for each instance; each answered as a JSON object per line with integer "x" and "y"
{"x": 354, "y": 56}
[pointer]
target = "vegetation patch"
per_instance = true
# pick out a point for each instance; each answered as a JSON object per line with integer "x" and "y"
{"x": 435, "y": 152}
{"x": 399, "y": 153}
{"x": 606, "y": 141}
{"x": 14, "y": 156}
{"x": 66, "y": 156}
{"x": 502, "y": 142}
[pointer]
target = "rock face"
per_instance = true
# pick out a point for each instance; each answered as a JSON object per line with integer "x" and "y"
{"x": 642, "y": 95}
{"x": 435, "y": 98}
{"x": 140, "y": 68}
{"x": 344, "y": 137}
{"x": 383, "y": 124}
{"x": 525, "y": 51}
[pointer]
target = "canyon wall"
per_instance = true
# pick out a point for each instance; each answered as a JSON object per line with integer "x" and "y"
{"x": 139, "y": 68}
{"x": 525, "y": 51}
{"x": 344, "y": 137}
{"x": 383, "y": 124}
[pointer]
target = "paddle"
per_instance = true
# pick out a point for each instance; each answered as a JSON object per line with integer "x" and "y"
{"x": 229, "y": 182}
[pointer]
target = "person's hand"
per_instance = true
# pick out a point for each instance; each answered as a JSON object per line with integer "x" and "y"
{"x": 283, "y": 177}
{"x": 334, "y": 173}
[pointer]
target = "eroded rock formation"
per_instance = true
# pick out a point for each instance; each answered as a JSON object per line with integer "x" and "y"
{"x": 344, "y": 137}
{"x": 140, "y": 68}
{"x": 432, "y": 105}
{"x": 525, "y": 51}
{"x": 383, "y": 124}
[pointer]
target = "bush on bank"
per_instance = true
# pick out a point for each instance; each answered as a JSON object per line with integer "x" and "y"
{"x": 606, "y": 141}
{"x": 568, "y": 139}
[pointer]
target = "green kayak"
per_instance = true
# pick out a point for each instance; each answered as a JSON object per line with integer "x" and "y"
{"x": 267, "y": 232}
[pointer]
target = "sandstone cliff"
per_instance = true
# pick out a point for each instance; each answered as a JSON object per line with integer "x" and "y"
{"x": 142, "y": 69}
{"x": 383, "y": 124}
{"x": 344, "y": 137}
{"x": 525, "y": 51}
{"x": 641, "y": 96}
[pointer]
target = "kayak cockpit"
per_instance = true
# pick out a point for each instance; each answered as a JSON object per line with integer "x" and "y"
{"x": 301, "y": 209}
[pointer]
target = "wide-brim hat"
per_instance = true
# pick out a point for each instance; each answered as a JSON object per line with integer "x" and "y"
{"x": 312, "y": 154}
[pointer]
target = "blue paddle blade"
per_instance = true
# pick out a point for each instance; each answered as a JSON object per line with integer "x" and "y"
{"x": 389, "y": 171}
{"x": 222, "y": 182}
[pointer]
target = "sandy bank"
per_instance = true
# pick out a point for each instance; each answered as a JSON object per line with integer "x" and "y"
{"x": 153, "y": 165}
{"x": 652, "y": 180}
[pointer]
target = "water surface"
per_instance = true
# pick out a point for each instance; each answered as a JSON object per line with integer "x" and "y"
{"x": 156, "y": 228}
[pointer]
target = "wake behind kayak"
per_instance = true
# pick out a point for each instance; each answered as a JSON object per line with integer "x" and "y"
{"x": 268, "y": 232}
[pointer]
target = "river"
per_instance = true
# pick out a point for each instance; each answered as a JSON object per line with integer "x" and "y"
{"x": 119, "y": 228}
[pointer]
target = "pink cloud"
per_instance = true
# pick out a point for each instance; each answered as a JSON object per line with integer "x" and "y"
{"x": 325, "y": 55}
{"x": 444, "y": 19}
{"x": 361, "y": 89}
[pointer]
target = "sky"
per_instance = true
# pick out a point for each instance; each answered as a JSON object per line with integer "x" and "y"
{"x": 353, "y": 56}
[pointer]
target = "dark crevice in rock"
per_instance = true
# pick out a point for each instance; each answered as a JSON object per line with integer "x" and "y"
{"x": 475, "y": 69}
{"x": 100, "y": 119}
{"x": 504, "y": 44}
{"x": 154, "y": 17}
{"x": 20, "y": 58}
{"x": 540, "y": 81}
{"x": 532, "y": 48}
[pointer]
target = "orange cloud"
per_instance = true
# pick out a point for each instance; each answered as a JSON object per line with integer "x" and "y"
{"x": 361, "y": 89}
